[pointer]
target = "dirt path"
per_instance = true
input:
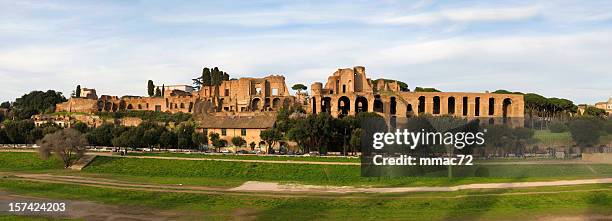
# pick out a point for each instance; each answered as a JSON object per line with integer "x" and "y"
{"x": 291, "y": 190}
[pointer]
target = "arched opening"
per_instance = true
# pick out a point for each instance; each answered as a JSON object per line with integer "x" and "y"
{"x": 421, "y": 104}
{"x": 436, "y": 105}
{"x": 314, "y": 105}
{"x": 326, "y": 105}
{"x": 465, "y": 106}
{"x": 130, "y": 107}
{"x": 378, "y": 104}
{"x": 255, "y": 103}
{"x": 392, "y": 106}
{"x": 491, "y": 106}
{"x": 182, "y": 105}
{"x": 122, "y": 105}
{"x": 108, "y": 106}
{"x": 451, "y": 105}
{"x": 266, "y": 103}
{"x": 139, "y": 107}
{"x": 344, "y": 88}
{"x": 361, "y": 104}
{"x": 115, "y": 106}
{"x": 100, "y": 105}
{"x": 507, "y": 103}
{"x": 477, "y": 107}
{"x": 344, "y": 106}
{"x": 409, "y": 110}
{"x": 276, "y": 102}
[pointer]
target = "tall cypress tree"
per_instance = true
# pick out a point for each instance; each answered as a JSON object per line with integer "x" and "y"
{"x": 225, "y": 76}
{"x": 206, "y": 78}
{"x": 77, "y": 93}
{"x": 215, "y": 76}
{"x": 151, "y": 88}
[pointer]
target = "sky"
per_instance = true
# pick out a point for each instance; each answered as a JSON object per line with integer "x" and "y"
{"x": 553, "y": 48}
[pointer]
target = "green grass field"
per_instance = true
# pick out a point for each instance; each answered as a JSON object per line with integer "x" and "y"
{"x": 460, "y": 205}
{"x": 222, "y": 173}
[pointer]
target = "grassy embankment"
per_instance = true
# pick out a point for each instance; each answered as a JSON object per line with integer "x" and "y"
{"x": 227, "y": 174}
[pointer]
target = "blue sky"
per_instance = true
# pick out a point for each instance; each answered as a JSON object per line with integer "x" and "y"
{"x": 554, "y": 48}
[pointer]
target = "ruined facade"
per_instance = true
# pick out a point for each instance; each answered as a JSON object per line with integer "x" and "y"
{"x": 348, "y": 92}
{"x": 606, "y": 105}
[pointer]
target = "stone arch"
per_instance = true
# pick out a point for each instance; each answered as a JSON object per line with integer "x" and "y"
{"x": 108, "y": 106}
{"x": 421, "y": 106}
{"x": 314, "y": 105}
{"x": 506, "y": 108}
{"x": 122, "y": 105}
{"x": 392, "y": 106}
{"x": 436, "y": 105}
{"x": 139, "y": 107}
{"x": 182, "y": 105}
{"x": 465, "y": 106}
{"x": 451, "y": 105}
{"x": 344, "y": 88}
{"x": 409, "y": 110}
{"x": 326, "y": 104}
{"x": 130, "y": 107}
{"x": 255, "y": 103}
{"x": 100, "y": 105}
{"x": 266, "y": 103}
{"x": 344, "y": 106}
{"x": 115, "y": 107}
{"x": 361, "y": 104}
{"x": 276, "y": 103}
{"x": 477, "y": 106}
{"x": 378, "y": 104}
{"x": 491, "y": 106}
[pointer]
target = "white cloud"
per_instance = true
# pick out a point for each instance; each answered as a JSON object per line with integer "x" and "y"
{"x": 461, "y": 15}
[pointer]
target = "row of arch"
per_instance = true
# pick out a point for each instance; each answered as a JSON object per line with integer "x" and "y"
{"x": 122, "y": 106}
{"x": 361, "y": 105}
{"x": 256, "y": 103}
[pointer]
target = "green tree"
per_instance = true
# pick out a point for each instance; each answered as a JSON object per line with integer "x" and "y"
{"x": 199, "y": 139}
{"x": 18, "y": 131}
{"x": 81, "y": 127}
{"x": 184, "y": 134}
{"x": 78, "y": 91}
{"x": 299, "y": 87}
{"x": 4, "y": 139}
{"x": 101, "y": 136}
{"x": 151, "y": 88}
{"x": 270, "y": 136}
{"x": 216, "y": 141}
{"x": 6, "y": 105}
{"x": 158, "y": 92}
{"x": 425, "y": 89}
{"x": 225, "y": 77}
{"x": 585, "y": 131}
{"x": 238, "y": 141}
{"x": 595, "y": 112}
{"x": 215, "y": 76}
{"x": 168, "y": 139}
{"x": 252, "y": 144}
{"x": 206, "y": 77}
{"x": 36, "y": 102}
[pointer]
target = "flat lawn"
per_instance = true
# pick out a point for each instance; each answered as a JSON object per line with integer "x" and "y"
{"x": 548, "y": 138}
{"x": 231, "y": 174}
{"x": 253, "y": 157}
{"x": 482, "y": 204}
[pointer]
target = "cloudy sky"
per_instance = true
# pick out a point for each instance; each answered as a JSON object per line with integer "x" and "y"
{"x": 555, "y": 48}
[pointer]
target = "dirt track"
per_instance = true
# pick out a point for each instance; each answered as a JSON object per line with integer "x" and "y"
{"x": 273, "y": 189}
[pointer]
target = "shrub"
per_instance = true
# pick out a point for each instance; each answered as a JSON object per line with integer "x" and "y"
{"x": 558, "y": 127}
